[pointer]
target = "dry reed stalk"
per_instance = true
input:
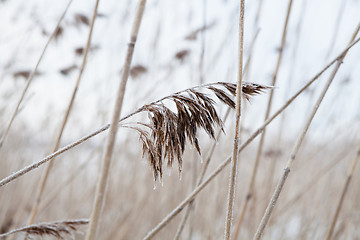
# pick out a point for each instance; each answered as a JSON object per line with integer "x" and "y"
{"x": 337, "y": 27}
{"x": 258, "y": 11}
{"x": 343, "y": 194}
{"x": 259, "y": 151}
{"x": 37, "y": 164}
{"x": 192, "y": 195}
{"x": 246, "y": 68}
{"x": 296, "y": 148}
{"x": 33, "y": 74}
{"x": 202, "y": 53}
{"x": 270, "y": 178}
{"x": 212, "y": 149}
{"x": 234, "y": 159}
{"x": 45, "y": 175}
{"x": 56, "y": 229}
{"x": 104, "y": 174}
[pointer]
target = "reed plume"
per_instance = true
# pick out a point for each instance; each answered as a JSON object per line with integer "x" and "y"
{"x": 164, "y": 138}
{"x": 55, "y": 229}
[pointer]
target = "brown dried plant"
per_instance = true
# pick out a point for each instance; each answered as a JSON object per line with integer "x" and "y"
{"x": 137, "y": 71}
{"x": 55, "y": 229}
{"x": 164, "y": 138}
{"x": 81, "y": 19}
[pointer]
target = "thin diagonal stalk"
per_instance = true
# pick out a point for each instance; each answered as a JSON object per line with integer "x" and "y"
{"x": 33, "y": 73}
{"x": 66, "y": 117}
{"x": 37, "y": 164}
{"x": 104, "y": 175}
{"x": 234, "y": 159}
{"x": 259, "y": 151}
{"x": 296, "y": 148}
{"x": 192, "y": 195}
{"x": 270, "y": 178}
{"x": 203, "y": 38}
{"x": 337, "y": 27}
{"x": 343, "y": 194}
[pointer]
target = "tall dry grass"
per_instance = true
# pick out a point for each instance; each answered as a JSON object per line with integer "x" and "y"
{"x": 100, "y": 179}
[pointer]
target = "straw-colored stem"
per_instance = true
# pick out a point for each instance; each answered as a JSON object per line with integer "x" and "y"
{"x": 234, "y": 159}
{"x": 63, "y": 124}
{"x": 259, "y": 151}
{"x": 203, "y": 41}
{"x": 337, "y": 27}
{"x": 296, "y": 148}
{"x": 343, "y": 194}
{"x": 32, "y": 75}
{"x": 291, "y": 76}
{"x": 37, "y": 164}
{"x": 104, "y": 174}
{"x": 268, "y": 108}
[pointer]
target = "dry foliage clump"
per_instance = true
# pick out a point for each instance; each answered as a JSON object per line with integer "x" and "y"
{"x": 25, "y": 74}
{"x": 81, "y": 19}
{"x": 182, "y": 54}
{"x": 194, "y": 34}
{"x": 55, "y": 229}
{"x": 165, "y": 137}
{"x": 80, "y": 50}
{"x": 137, "y": 71}
{"x": 59, "y": 32}
{"x": 67, "y": 70}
